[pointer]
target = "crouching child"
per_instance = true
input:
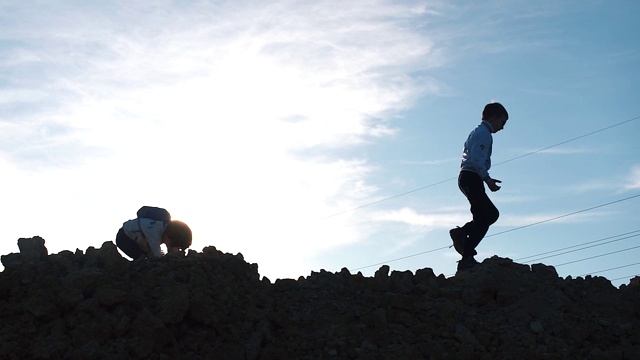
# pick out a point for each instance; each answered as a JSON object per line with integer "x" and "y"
{"x": 142, "y": 236}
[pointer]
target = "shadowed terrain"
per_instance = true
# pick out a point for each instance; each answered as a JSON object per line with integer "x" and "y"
{"x": 96, "y": 304}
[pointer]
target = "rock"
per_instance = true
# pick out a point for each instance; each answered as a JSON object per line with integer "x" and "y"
{"x": 545, "y": 270}
{"x": 96, "y": 304}
{"x": 536, "y": 327}
{"x": 32, "y": 249}
{"x": 383, "y": 272}
{"x": 465, "y": 336}
{"x": 40, "y": 305}
{"x": 106, "y": 295}
{"x": 147, "y": 334}
{"x": 11, "y": 260}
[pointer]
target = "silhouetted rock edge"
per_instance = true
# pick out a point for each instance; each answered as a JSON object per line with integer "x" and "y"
{"x": 96, "y": 304}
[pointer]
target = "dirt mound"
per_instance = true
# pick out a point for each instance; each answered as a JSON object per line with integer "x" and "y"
{"x": 96, "y": 304}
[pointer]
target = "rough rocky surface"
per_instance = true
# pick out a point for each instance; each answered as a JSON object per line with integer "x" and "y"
{"x": 98, "y": 305}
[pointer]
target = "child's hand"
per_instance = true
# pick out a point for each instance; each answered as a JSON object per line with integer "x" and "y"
{"x": 493, "y": 184}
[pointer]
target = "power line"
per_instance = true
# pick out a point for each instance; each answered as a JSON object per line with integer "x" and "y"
{"x": 389, "y": 198}
{"x": 614, "y": 268}
{"x": 574, "y": 246}
{"x": 597, "y": 256}
{"x": 402, "y": 258}
{"x": 584, "y": 248}
{"x": 503, "y": 232}
{"x": 587, "y": 247}
{"x": 570, "y": 140}
{"x": 497, "y": 164}
{"x": 563, "y": 216}
{"x": 625, "y": 277}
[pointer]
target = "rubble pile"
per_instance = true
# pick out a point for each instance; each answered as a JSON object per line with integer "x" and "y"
{"x": 97, "y": 304}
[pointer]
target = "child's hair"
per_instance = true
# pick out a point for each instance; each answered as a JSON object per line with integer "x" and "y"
{"x": 494, "y": 109}
{"x": 179, "y": 233}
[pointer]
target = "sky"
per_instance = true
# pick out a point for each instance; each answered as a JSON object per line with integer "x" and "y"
{"x": 311, "y": 135}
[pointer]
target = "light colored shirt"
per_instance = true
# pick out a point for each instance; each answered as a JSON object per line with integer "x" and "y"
{"x": 476, "y": 155}
{"x": 147, "y": 233}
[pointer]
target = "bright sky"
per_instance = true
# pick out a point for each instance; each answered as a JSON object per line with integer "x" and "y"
{"x": 264, "y": 124}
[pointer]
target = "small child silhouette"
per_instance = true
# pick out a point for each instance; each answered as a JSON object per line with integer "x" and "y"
{"x": 474, "y": 170}
{"x": 142, "y": 237}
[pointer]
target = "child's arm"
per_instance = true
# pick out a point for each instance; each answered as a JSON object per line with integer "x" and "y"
{"x": 480, "y": 156}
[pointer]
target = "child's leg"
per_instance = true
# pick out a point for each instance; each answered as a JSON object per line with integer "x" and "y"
{"x": 483, "y": 211}
{"x": 128, "y": 245}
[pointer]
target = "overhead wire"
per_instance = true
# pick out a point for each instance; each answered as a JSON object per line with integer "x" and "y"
{"x": 587, "y": 247}
{"x": 597, "y": 256}
{"x": 570, "y": 140}
{"x": 403, "y": 258}
{"x": 503, "y": 232}
{"x": 574, "y": 246}
{"x": 614, "y": 268}
{"x": 563, "y": 216}
{"x": 389, "y": 198}
{"x": 625, "y": 277}
{"x": 583, "y": 248}
{"x": 496, "y": 164}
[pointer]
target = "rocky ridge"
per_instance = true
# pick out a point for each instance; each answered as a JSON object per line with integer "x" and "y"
{"x": 211, "y": 305}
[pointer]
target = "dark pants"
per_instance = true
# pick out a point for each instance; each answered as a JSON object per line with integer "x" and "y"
{"x": 128, "y": 245}
{"x": 483, "y": 211}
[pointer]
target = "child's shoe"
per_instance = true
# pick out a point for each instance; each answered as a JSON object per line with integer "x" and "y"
{"x": 458, "y": 236}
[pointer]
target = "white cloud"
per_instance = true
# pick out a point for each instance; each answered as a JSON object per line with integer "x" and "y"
{"x": 423, "y": 222}
{"x": 591, "y": 186}
{"x": 633, "y": 181}
{"x": 620, "y": 183}
{"x": 453, "y": 160}
{"x": 217, "y": 112}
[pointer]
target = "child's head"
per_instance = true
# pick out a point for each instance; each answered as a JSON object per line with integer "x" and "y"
{"x": 178, "y": 235}
{"x": 496, "y": 115}
{"x": 493, "y": 110}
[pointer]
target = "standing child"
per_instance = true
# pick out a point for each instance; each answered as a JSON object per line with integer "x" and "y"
{"x": 474, "y": 170}
{"x": 142, "y": 237}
